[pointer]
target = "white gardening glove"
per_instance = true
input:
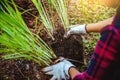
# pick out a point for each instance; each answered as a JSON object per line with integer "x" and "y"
{"x": 76, "y": 29}
{"x": 60, "y": 70}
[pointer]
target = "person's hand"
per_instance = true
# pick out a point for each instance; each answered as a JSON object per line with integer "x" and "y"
{"x": 76, "y": 29}
{"x": 60, "y": 70}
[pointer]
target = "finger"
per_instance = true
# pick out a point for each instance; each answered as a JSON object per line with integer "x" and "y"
{"x": 54, "y": 78}
{"x": 63, "y": 76}
{"x": 60, "y": 59}
{"x": 67, "y": 35}
{"x": 50, "y": 73}
{"x": 46, "y": 69}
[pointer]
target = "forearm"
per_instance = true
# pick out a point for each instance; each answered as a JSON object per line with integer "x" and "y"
{"x": 73, "y": 72}
{"x": 96, "y": 27}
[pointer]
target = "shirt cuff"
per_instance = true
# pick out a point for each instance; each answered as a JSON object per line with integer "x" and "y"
{"x": 78, "y": 76}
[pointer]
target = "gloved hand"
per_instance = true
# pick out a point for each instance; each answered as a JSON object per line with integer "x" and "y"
{"x": 76, "y": 29}
{"x": 60, "y": 70}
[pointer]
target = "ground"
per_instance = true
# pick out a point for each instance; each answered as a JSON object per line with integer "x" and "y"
{"x": 71, "y": 49}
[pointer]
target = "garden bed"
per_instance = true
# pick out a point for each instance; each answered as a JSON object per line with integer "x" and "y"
{"x": 80, "y": 12}
{"x": 71, "y": 49}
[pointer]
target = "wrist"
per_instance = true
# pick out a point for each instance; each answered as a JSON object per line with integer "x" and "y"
{"x": 93, "y": 27}
{"x": 67, "y": 66}
{"x": 86, "y": 28}
{"x": 73, "y": 72}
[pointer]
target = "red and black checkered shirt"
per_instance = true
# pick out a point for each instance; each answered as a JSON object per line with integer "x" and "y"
{"x": 105, "y": 52}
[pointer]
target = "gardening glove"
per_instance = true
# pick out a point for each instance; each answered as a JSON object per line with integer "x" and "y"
{"x": 59, "y": 71}
{"x": 76, "y": 29}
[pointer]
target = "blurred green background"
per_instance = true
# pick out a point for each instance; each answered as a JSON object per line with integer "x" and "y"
{"x": 85, "y": 12}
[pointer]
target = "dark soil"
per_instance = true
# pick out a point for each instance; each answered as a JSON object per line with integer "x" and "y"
{"x": 71, "y": 49}
{"x": 20, "y": 70}
{"x": 28, "y": 17}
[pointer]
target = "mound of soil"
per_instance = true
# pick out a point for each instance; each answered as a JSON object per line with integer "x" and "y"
{"x": 71, "y": 49}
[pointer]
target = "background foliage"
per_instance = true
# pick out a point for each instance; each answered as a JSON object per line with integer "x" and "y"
{"x": 85, "y": 12}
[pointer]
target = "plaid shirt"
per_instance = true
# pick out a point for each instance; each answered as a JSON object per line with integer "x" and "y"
{"x": 105, "y": 52}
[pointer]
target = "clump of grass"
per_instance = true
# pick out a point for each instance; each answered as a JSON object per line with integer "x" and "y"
{"x": 61, "y": 8}
{"x": 17, "y": 41}
{"x": 46, "y": 16}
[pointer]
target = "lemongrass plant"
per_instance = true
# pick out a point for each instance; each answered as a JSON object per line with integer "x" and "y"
{"x": 61, "y": 8}
{"x": 17, "y": 41}
{"x": 44, "y": 17}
